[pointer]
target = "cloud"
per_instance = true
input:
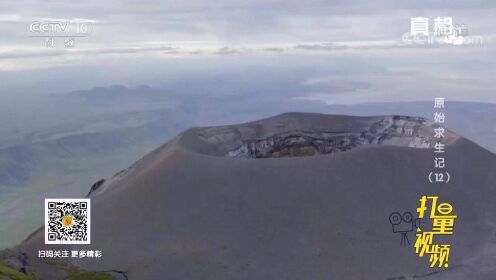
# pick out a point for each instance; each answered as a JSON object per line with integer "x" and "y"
{"x": 360, "y": 40}
{"x": 33, "y": 53}
{"x": 226, "y": 50}
{"x": 4, "y": 18}
{"x": 18, "y": 18}
{"x": 246, "y": 22}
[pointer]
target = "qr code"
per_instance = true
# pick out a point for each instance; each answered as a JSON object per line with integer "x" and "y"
{"x": 67, "y": 221}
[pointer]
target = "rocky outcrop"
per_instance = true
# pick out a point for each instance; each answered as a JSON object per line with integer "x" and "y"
{"x": 95, "y": 186}
{"x": 14, "y": 259}
{"x": 392, "y": 130}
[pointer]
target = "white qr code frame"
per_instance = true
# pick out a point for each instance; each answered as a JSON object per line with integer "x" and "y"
{"x": 67, "y": 200}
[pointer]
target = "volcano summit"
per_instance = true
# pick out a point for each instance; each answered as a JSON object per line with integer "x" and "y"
{"x": 296, "y": 196}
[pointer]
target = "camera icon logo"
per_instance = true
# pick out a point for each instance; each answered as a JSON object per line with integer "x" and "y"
{"x": 403, "y": 224}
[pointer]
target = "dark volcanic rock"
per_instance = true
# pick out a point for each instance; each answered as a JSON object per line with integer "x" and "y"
{"x": 393, "y": 130}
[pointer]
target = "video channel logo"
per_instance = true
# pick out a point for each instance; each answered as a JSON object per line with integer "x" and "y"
{"x": 64, "y": 29}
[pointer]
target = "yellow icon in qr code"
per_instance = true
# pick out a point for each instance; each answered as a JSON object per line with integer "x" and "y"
{"x": 67, "y": 221}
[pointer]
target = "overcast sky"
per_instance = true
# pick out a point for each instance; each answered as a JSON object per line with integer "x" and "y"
{"x": 353, "y": 47}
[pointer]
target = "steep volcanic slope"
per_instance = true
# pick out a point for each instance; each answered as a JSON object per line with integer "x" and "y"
{"x": 297, "y": 196}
